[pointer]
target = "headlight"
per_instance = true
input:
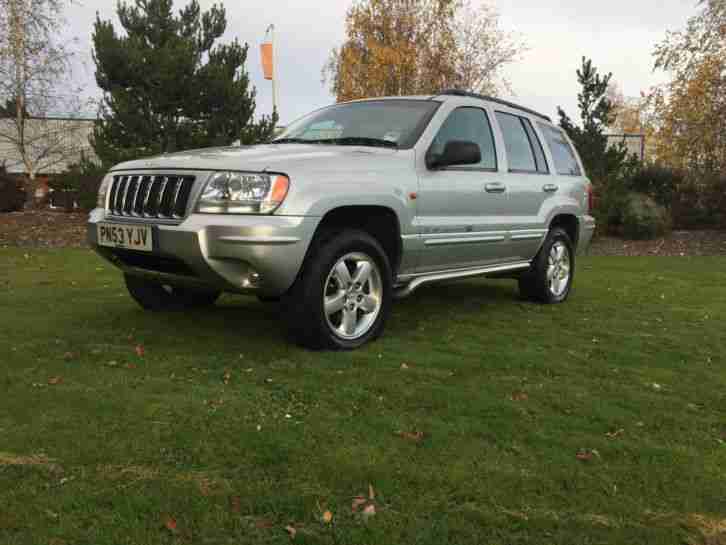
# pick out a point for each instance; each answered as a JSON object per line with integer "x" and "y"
{"x": 243, "y": 193}
{"x": 102, "y": 190}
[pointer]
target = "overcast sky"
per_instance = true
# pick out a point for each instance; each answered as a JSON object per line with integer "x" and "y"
{"x": 618, "y": 35}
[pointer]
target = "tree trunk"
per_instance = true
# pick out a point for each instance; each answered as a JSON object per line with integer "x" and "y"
{"x": 31, "y": 186}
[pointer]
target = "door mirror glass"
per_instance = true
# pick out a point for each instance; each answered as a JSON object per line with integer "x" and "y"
{"x": 456, "y": 153}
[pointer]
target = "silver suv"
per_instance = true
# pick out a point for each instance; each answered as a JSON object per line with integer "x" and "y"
{"x": 352, "y": 206}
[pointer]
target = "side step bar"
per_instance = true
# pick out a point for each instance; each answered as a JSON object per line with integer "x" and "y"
{"x": 427, "y": 278}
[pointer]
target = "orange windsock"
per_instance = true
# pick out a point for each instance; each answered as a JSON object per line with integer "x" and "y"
{"x": 267, "y": 61}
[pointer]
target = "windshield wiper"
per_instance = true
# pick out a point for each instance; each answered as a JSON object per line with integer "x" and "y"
{"x": 360, "y": 141}
{"x": 345, "y": 141}
{"x": 291, "y": 141}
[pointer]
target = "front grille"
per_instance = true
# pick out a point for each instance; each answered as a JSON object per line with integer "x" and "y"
{"x": 150, "y": 196}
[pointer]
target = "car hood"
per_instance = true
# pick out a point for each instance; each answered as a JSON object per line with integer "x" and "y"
{"x": 282, "y": 158}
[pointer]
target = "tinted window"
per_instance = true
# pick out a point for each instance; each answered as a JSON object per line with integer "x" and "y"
{"x": 539, "y": 155}
{"x": 516, "y": 141}
{"x": 562, "y": 153}
{"x": 471, "y": 125}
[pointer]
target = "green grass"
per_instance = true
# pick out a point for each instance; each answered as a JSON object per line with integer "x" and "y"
{"x": 124, "y": 443}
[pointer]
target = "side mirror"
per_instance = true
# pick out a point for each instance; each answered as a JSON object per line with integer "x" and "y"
{"x": 456, "y": 152}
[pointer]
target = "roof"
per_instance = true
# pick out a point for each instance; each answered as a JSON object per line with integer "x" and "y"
{"x": 459, "y": 93}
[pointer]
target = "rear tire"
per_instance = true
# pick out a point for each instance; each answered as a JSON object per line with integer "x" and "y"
{"x": 549, "y": 281}
{"x": 158, "y": 296}
{"x": 342, "y": 298}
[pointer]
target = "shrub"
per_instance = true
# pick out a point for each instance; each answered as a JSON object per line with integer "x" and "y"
{"x": 643, "y": 218}
{"x": 12, "y": 196}
{"x": 656, "y": 181}
{"x": 81, "y": 181}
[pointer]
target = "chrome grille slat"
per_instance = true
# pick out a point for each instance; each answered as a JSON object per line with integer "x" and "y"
{"x": 150, "y": 196}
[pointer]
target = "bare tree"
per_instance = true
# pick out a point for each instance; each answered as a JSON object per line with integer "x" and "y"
{"x": 34, "y": 82}
{"x": 484, "y": 49}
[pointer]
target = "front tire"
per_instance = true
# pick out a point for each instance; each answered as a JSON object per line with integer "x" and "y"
{"x": 550, "y": 279}
{"x": 158, "y": 296}
{"x": 343, "y": 296}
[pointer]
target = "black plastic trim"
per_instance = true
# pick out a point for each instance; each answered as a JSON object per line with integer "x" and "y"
{"x": 461, "y": 93}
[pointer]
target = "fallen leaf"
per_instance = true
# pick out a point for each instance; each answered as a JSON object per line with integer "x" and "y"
{"x": 327, "y": 517}
{"x": 369, "y": 511}
{"x": 170, "y": 524}
{"x": 263, "y": 524}
{"x": 519, "y": 396}
{"x": 130, "y": 366}
{"x": 358, "y": 501}
{"x": 584, "y": 455}
{"x": 415, "y": 436}
{"x": 291, "y": 531}
{"x": 371, "y": 493}
{"x": 235, "y": 504}
{"x": 68, "y": 356}
{"x": 404, "y": 366}
{"x": 140, "y": 350}
{"x": 614, "y": 434}
{"x": 226, "y": 377}
{"x": 55, "y": 380}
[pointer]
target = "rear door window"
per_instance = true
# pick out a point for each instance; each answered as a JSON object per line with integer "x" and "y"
{"x": 520, "y": 152}
{"x": 563, "y": 155}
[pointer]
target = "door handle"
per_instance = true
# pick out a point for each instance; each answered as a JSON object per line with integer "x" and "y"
{"x": 495, "y": 187}
{"x": 550, "y": 188}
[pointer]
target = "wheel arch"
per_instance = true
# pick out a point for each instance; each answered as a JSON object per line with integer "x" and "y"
{"x": 379, "y": 221}
{"x": 569, "y": 222}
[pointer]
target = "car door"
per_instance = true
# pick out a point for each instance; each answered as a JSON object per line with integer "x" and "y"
{"x": 460, "y": 208}
{"x": 529, "y": 185}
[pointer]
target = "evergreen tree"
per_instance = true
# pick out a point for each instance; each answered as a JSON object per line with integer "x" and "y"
{"x": 168, "y": 85}
{"x": 602, "y": 163}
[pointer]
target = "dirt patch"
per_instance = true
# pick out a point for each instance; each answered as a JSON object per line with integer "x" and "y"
{"x": 43, "y": 229}
{"x": 678, "y": 243}
{"x": 47, "y": 229}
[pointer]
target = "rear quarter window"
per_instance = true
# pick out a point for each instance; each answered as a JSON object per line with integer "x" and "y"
{"x": 563, "y": 155}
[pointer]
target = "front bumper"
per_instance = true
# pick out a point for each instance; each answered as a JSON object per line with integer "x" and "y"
{"x": 237, "y": 253}
{"x": 587, "y": 230}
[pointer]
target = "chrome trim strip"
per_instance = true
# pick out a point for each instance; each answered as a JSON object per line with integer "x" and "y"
{"x": 145, "y": 208}
{"x": 427, "y": 278}
{"x": 523, "y": 235}
{"x": 175, "y": 202}
{"x": 132, "y": 211}
{"x": 269, "y": 240}
{"x": 164, "y": 181}
{"x": 469, "y": 240}
{"x": 126, "y": 194}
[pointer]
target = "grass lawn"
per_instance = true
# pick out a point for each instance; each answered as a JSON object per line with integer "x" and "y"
{"x": 478, "y": 418}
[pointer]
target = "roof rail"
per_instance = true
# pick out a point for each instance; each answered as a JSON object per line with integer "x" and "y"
{"x": 462, "y": 93}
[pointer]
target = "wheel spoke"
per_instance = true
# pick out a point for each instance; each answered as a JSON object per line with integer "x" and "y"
{"x": 362, "y": 273}
{"x": 560, "y": 252}
{"x": 369, "y": 304}
{"x": 341, "y": 271}
{"x": 550, "y": 273}
{"x": 350, "y": 321}
{"x": 334, "y": 303}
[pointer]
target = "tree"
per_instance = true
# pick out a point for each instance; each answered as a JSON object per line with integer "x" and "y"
{"x": 34, "y": 68}
{"x": 691, "y": 108}
{"x": 403, "y": 47}
{"x": 169, "y": 85}
{"x": 602, "y": 162}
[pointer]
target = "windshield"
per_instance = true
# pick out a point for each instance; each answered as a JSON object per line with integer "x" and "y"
{"x": 384, "y": 123}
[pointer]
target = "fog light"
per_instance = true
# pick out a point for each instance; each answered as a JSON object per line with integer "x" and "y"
{"x": 252, "y": 280}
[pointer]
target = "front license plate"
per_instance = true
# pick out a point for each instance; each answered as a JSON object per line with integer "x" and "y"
{"x": 131, "y": 237}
